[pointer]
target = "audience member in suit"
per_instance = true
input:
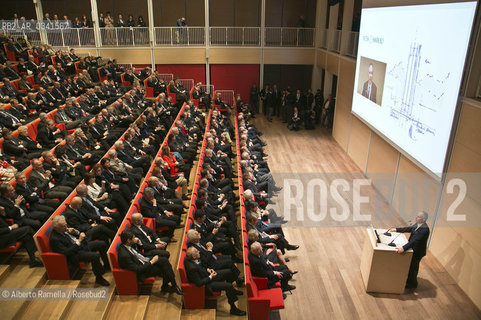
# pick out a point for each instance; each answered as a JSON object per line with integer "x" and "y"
{"x": 16, "y": 209}
{"x": 13, "y": 147}
{"x": 213, "y": 281}
{"x": 270, "y": 251}
{"x": 32, "y": 197}
{"x": 106, "y": 216}
{"x": 144, "y": 267}
{"x": 76, "y": 248}
{"x": 63, "y": 118}
{"x": 220, "y": 263}
{"x": 133, "y": 160}
{"x": 86, "y": 221}
{"x": 174, "y": 205}
{"x": 100, "y": 195}
{"x": 10, "y": 234}
{"x": 261, "y": 267}
{"x": 150, "y": 243}
{"x": 418, "y": 242}
{"x": 211, "y": 232}
{"x": 64, "y": 172}
{"x": 264, "y": 237}
{"x": 77, "y": 154}
{"x": 163, "y": 218}
{"x": 42, "y": 179}
{"x": 23, "y": 84}
{"x": 8, "y": 120}
{"x": 32, "y": 147}
{"x": 48, "y": 136}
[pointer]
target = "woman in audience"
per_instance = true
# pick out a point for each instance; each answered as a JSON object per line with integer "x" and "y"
{"x": 99, "y": 194}
{"x": 175, "y": 167}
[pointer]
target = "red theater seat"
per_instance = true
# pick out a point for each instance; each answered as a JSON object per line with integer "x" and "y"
{"x": 125, "y": 280}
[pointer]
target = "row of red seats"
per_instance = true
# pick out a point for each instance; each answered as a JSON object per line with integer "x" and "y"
{"x": 12, "y": 56}
{"x": 126, "y": 281}
{"x": 56, "y": 264}
{"x": 261, "y": 300}
{"x": 194, "y": 297}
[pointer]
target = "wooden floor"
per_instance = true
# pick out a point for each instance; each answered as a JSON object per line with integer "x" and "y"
{"x": 329, "y": 283}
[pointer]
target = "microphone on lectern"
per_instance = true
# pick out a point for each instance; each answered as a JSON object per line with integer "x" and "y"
{"x": 387, "y": 233}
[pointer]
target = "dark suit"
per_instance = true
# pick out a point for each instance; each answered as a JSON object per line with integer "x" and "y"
{"x": 162, "y": 267}
{"x": 85, "y": 252}
{"x": 418, "y": 242}
{"x": 260, "y": 268}
{"x": 217, "y": 262}
{"x": 370, "y": 95}
{"x": 148, "y": 238}
{"x": 33, "y": 199}
{"x": 42, "y": 183}
{"x": 82, "y": 220}
{"x": 21, "y": 215}
{"x": 198, "y": 275}
{"x": 161, "y": 220}
{"x": 10, "y": 237}
{"x": 46, "y": 137}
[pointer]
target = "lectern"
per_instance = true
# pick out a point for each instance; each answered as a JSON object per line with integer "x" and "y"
{"x": 384, "y": 270}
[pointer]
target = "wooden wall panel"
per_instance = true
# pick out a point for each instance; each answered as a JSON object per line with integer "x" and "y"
{"x": 467, "y": 153}
{"x": 221, "y": 13}
{"x": 382, "y": 163}
{"x": 289, "y": 56}
{"x": 179, "y": 56}
{"x": 273, "y": 13}
{"x": 414, "y": 191}
{"x": 85, "y": 52}
{"x": 332, "y": 63}
{"x": 134, "y": 56}
{"x": 321, "y": 59}
{"x": 359, "y": 143}
{"x": 340, "y": 129}
{"x": 195, "y": 13}
{"x": 247, "y": 13}
{"x": 460, "y": 259}
{"x": 235, "y": 55}
{"x": 457, "y": 245}
{"x": 166, "y": 13}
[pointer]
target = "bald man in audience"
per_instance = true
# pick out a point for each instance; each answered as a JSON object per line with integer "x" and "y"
{"x": 87, "y": 222}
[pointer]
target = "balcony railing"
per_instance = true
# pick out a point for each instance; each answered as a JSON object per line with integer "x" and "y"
{"x": 175, "y": 36}
{"x": 343, "y": 42}
{"x": 235, "y": 36}
{"x": 289, "y": 37}
{"x": 125, "y": 37}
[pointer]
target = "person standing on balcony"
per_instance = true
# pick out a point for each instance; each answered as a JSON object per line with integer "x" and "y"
{"x": 101, "y": 20}
{"x": 180, "y": 33}
{"x": 109, "y": 24}
{"x": 301, "y": 25}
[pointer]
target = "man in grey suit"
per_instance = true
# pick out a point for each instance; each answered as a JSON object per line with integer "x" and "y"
{"x": 369, "y": 89}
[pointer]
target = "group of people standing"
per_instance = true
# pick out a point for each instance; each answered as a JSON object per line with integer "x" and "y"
{"x": 295, "y": 108}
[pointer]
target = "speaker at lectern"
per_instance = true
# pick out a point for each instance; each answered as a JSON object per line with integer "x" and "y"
{"x": 383, "y": 270}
